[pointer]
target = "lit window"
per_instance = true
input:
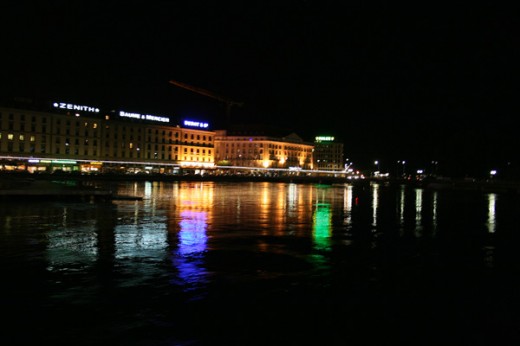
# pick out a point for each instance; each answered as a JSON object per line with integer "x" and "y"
{"x": 22, "y": 137}
{"x": 10, "y": 136}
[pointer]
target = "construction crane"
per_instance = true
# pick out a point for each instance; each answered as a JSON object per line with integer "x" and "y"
{"x": 228, "y": 102}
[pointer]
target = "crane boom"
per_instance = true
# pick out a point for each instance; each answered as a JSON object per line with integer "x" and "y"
{"x": 205, "y": 92}
{"x": 208, "y": 93}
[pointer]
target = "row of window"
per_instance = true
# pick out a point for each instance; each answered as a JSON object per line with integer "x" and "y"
{"x": 268, "y": 145}
{"x": 19, "y": 119}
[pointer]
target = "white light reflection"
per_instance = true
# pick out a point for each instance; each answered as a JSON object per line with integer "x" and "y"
{"x": 491, "y": 222}
{"x": 147, "y": 189}
{"x": 292, "y": 199}
{"x": 347, "y": 205}
{"x": 375, "y": 203}
{"x": 146, "y": 239}
{"x": 418, "y": 212}
{"x": 434, "y": 212}
{"x": 148, "y": 201}
{"x": 64, "y": 219}
{"x": 400, "y": 209}
{"x": 67, "y": 247}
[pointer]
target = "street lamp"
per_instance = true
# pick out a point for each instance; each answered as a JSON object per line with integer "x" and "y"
{"x": 492, "y": 173}
{"x": 347, "y": 164}
{"x": 376, "y": 162}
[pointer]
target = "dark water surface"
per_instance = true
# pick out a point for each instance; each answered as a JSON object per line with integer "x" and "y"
{"x": 262, "y": 264}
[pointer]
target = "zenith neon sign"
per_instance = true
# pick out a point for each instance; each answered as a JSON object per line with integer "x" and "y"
{"x": 143, "y": 117}
{"x": 73, "y": 107}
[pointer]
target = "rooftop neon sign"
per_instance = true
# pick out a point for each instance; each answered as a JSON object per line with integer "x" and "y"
{"x": 143, "y": 117}
{"x": 324, "y": 139}
{"x": 195, "y": 124}
{"x": 73, "y": 107}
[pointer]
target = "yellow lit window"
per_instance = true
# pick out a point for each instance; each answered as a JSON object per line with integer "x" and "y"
{"x": 131, "y": 145}
{"x": 94, "y": 126}
{"x": 10, "y": 136}
{"x": 22, "y": 137}
{"x": 32, "y": 139}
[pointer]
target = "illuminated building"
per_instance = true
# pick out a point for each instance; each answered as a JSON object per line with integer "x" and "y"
{"x": 328, "y": 155}
{"x": 73, "y": 137}
{"x": 250, "y": 149}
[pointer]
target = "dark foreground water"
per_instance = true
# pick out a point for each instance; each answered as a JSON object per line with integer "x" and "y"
{"x": 262, "y": 264}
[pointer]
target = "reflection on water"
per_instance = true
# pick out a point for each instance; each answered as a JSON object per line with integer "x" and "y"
{"x": 434, "y": 212}
{"x": 192, "y": 244}
{"x": 375, "y": 202}
{"x": 347, "y": 205}
{"x": 322, "y": 226}
{"x": 491, "y": 221}
{"x": 239, "y": 243}
{"x": 418, "y": 212}
{"x": 400, "y": 207}
{"x": 192, "y": 235}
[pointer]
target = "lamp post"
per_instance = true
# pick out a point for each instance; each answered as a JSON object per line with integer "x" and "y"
{"x": 376, "y": 162}
{"x": 434, "y": 168}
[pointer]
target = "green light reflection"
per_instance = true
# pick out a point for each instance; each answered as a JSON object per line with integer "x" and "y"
{"x": 322, "y": 227}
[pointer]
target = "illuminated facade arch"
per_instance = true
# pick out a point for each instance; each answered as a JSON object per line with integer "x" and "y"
{"x": 262, "y": 151}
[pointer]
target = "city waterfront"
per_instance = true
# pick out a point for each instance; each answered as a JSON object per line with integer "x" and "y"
{"x": 262, "y": 263}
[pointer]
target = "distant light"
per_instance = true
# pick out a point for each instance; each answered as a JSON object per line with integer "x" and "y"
{"x": 65, "y": 162}
{"x": 420, "y": 171}
{"x": 493, "y": 172}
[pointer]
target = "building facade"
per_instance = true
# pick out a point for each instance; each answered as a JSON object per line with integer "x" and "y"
{"x": 73, "y": 137}
{"x": 328, "y": 154}
{"x": 261, "y": 151}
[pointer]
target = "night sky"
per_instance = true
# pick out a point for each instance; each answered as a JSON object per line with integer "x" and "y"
{"x": 421, "y": 84}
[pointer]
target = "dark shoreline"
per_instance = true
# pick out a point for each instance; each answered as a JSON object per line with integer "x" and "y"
{"x": 169, "y": 177}
{"x": 26, "y": 181}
